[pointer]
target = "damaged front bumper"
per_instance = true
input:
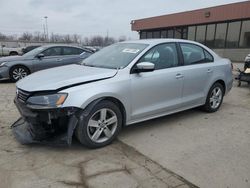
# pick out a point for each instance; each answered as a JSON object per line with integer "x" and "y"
{"x": 50, "y": 126}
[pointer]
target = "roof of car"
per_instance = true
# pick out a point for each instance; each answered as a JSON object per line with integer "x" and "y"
{"x": 60, "y": 45}
{"x": 65, "y": 45}
{"x": 158, "y": 41}
{"x": 154, "y": 42}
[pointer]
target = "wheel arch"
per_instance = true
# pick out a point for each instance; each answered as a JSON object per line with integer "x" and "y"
{"x": 19, "y": 65}
{"x": 220, "y": 81}
{"x": 13, "y": 52}
{"x": 116, "y": 101}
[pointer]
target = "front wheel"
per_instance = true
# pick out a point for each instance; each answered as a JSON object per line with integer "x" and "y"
{"x": 101, "y": 126}
{"x": 214, "y": 98}
{"x": 18, "y": 73}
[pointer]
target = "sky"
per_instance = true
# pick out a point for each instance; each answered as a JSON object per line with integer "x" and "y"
{"x": 89, "y": 17}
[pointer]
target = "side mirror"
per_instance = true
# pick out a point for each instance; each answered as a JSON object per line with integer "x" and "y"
{"x": 39, "y": 56}
{"x": 145, "y": 67}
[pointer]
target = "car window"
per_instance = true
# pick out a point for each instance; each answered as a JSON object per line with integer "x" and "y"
{"x": 193, "y": 54}
{"x": 72, "y": 51}
{"x": 116, "y": 56}
{"x": 163, "y": 56}
{"x": 208, "y": 56}
{"x": 54, "y": 51}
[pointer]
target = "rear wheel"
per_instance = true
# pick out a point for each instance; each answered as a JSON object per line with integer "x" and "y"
{"x": 13, "y": 53}
{"x": 101, "y": 126}
{"x": 239, "y": 83}
{"x": 214, "y": 98}
{"x": 18, "y": 73}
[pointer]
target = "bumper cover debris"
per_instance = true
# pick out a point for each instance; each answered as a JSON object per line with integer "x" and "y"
{"x": 46, "y": 126}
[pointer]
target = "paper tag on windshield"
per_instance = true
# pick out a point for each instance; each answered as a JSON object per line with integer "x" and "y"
{"x": 132, "y": 51}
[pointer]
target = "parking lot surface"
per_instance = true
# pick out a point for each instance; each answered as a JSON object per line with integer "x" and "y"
{"x": 210, "y": 150}
{"x": 117, "y": 165}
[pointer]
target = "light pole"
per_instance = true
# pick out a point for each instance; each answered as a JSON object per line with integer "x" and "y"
{"x": 46, "y": 26}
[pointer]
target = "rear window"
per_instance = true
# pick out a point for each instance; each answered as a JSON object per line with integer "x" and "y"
{"x": 194, "y": 54}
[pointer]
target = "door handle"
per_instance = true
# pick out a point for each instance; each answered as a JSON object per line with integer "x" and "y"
{"x": 179, "y": 76}
{"x": 209, "y": 70}
{"x": 59, "y": 60}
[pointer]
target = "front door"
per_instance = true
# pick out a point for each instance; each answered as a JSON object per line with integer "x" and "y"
{"x": 52, "y": 58}
{"x": 158, "y": 92}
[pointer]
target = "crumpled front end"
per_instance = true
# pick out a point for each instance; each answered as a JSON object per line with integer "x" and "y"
{"x": 53, "y": 126}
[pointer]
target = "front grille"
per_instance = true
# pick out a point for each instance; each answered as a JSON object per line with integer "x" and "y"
{"x": 22, "y": 95}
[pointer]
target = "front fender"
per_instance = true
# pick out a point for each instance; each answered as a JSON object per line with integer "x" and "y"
{"x": 83, "y": 95}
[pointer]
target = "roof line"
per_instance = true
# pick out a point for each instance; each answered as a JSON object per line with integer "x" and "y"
{"x": 191, "y": 10}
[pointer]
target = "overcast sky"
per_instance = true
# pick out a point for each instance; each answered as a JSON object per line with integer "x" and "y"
{"x": 89, "y": 17}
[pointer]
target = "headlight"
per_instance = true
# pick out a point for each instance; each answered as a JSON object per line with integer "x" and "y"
{"x": 54, "y": 100}
{"x": 2, "y": 64}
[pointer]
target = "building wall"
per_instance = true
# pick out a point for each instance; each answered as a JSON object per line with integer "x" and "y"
{"x": 235, "y": 55}
{"x": 233, "y": 11}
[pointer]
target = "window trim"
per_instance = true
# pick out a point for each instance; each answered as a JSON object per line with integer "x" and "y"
{"x": 204, "y": 50}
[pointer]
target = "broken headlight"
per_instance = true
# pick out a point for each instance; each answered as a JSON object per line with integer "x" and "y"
{"x": 53, "y": 100}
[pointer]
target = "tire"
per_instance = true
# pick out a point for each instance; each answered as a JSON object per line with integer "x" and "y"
{"x": 239, "y": 83}
{"x": 94, "y": 131}
{"x": 214, "y": 98}
{"x": 13, "y": 53}
{"x": 18, "y": 72}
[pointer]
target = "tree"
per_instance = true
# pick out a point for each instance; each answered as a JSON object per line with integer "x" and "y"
{"x": 26, "y": 36}
{"x": 38, "y": 37}
{"x": 122, "y": 38}
{"x": 3, "y": 37}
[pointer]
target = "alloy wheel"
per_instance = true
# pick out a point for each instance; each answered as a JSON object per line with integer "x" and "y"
{"x": 102, "y": 125}
{"x": 19, "y": 73}
{"x": 216, "y": 97}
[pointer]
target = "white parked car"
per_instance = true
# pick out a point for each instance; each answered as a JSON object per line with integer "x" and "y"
{"x": 5, "y": 51}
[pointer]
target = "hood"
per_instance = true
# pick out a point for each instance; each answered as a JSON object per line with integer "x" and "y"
{"x": 61, "y": 77}
{"x": 11, "y": 58}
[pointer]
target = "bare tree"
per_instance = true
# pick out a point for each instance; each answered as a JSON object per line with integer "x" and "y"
{"x": 74, "y": 38}
{"x": 38, "y": 37}
{"x": 3, "y": 37}
{"x": 96, "y": 41}
{"x": 26, "y": 36}
{"x": 122, "y": 38}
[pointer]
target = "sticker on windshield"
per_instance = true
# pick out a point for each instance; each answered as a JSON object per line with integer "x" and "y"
{"x": 129, "y": 50}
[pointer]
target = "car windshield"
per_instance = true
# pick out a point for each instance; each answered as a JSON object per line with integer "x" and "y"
{"x": 34, "y": 52}
{"x": 116, "y": 56}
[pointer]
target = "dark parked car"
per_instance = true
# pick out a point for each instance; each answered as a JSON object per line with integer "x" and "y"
{"x": 17, "y": 67}
{"x": 29, "y": 48}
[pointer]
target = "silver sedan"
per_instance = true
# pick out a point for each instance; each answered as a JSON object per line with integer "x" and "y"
{"x": 120, "y": 85}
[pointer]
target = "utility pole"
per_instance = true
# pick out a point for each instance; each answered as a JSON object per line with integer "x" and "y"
{"x": 46, "y": 26}
{"x": 44, "y": 32}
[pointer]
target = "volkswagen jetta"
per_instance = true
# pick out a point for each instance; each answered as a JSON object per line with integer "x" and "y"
{"x": 122, "y": 84}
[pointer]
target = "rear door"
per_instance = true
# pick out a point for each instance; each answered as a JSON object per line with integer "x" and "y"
{"x": 197, "y": 71}
{"x": 71, "y": 55}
